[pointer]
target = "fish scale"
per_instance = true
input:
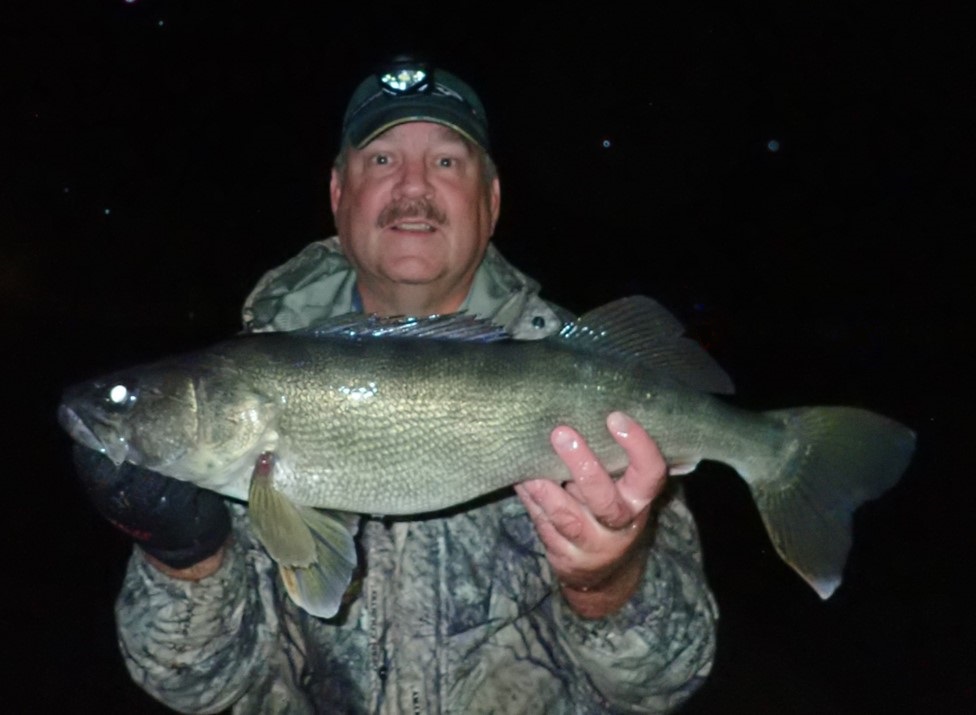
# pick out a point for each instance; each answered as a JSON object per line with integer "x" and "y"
{"x": 448, "y": 429}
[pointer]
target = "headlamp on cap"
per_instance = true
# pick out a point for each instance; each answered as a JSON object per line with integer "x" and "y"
{"x": 409, "y": 91}
{"x": 404, "y": 80}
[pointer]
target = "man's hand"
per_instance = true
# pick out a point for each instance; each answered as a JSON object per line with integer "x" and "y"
{"x": 595, "y": 529}
{"x": 180, "y": 527}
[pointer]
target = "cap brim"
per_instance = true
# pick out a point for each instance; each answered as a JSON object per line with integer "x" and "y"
{"x": 369, "y": 126}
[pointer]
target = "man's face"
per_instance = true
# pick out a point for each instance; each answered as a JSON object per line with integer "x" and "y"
{"x": 413, "y": 209}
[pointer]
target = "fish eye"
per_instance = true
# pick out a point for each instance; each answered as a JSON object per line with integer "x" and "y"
{"x": 120, "y": 396}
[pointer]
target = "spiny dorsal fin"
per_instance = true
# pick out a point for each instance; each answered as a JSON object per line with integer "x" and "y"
{"x": 453, "y": 326}
{"x": 638, "y": 328}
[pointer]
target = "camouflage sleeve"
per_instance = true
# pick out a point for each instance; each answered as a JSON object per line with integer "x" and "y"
{"x": 652, "y": 654}
{"x": 200, "y": 646}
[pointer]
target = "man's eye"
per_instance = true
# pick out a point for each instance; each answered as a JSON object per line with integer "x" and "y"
{"x": 446, "y": 162}
{"x": 381, "y": 159}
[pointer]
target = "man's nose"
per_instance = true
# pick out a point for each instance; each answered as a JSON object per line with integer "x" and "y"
{"x": 413, "y": 182}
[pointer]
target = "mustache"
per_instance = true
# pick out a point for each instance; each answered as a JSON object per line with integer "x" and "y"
{"x": 415, "y": 208}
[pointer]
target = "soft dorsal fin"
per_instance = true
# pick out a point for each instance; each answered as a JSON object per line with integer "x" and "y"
{"x": 638, "y": 328}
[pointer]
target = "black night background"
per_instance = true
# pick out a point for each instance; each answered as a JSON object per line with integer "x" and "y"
{"x": 793, "y": 180}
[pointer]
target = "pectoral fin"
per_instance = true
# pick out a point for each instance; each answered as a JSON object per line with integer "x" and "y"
{"x": 314, "y": 550}
{"x": 277, "y": 522}
{"x": 319, "y": 587}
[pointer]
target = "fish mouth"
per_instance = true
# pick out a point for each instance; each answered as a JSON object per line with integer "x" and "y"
{"x": 79, "y": 431}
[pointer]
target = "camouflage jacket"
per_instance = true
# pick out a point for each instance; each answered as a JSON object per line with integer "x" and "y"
{"x": 456, "y": 613}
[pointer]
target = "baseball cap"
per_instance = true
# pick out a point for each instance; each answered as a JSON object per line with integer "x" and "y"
{"x": 409, "y": 91}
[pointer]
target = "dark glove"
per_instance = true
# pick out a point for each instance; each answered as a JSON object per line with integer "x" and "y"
{"x": 175, "y": 521}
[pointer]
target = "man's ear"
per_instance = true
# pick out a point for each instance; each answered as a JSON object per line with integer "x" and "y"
{"x": 335, "y": 190}
{"x": 495, "y": 201}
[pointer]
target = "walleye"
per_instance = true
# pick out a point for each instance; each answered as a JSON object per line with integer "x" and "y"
{"x": 370, "y": 416}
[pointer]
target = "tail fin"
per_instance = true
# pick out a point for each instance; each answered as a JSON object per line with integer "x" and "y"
{"x": 842, "y": 457}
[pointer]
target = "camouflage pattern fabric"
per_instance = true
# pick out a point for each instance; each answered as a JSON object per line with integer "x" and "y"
{"x": 456, "y": 613}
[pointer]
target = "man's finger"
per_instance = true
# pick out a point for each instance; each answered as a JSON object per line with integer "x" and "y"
{"x": 647, "y": 471}
{"x": 593, "y": 486}
{"x": 555, "y": 521}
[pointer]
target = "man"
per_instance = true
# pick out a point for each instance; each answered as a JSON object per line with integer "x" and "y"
{"x": 588, "y": 598}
